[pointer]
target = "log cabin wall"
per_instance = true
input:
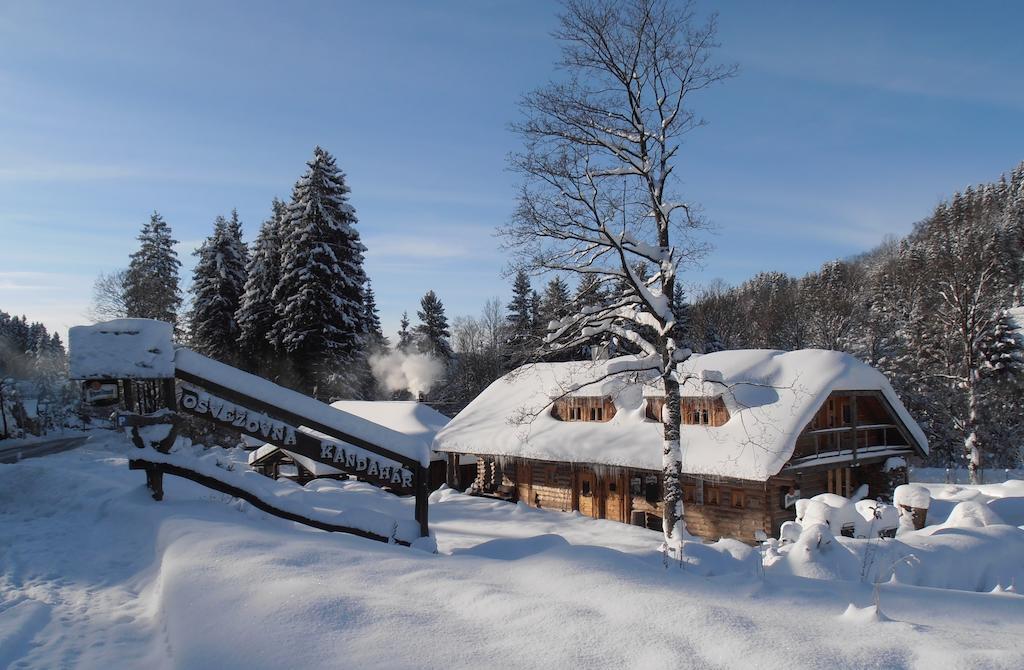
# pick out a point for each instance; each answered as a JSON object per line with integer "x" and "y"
{"x": 545, "y": 485}
{"x": 713, "y": 508}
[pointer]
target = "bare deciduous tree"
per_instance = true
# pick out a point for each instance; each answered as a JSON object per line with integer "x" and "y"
{"x": 600, "y": 193}
{"x": 108, "y": 297}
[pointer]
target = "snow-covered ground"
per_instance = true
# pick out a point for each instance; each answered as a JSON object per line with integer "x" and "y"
{"x": 94, "y": 573}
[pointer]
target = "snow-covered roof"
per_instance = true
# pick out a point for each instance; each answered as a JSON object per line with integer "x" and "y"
{"x": 415, "y": 420}
{"x": 771, "y": 396}
{"x": 121, "y": 349}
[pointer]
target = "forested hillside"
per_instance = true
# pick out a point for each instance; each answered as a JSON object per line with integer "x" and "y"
{"x": 930, "y": 310}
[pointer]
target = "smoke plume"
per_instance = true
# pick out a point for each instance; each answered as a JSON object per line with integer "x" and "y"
{"x": 398, "y": 371}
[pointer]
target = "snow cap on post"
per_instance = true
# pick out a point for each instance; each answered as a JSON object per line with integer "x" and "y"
{"x": 122, "y": 349}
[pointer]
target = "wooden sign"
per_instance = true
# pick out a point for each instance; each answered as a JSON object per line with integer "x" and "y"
{"x": 345, "y": 457}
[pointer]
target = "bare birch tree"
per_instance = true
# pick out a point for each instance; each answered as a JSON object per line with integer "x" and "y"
{"x": 600, "y": 193}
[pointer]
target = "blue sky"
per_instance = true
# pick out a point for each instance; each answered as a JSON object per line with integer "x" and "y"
{"x": 848, "y": 122}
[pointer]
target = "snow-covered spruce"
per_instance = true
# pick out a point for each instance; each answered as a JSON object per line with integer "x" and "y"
{"x": 217, "y": 286}
{"x": 321, "y": 327}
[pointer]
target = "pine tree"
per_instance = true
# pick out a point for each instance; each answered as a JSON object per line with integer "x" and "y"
{"x": 319, "y": 300}
{"x": 537, "y": 323}
{"x": 256, "y": 314}
{"x": 151, "y": 283}
{"x": 377, "y": 340}
{"x": 519, "y": 317}
{"x": 405, "y": 337}
{"x": 432, "y": 331}
{"x": 217, "y": 287}
{"x": 555, "y": 304}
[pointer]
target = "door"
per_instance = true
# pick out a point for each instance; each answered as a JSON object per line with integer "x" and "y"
{"x": 615, "y": 498}
{"x": 588, "y": 493}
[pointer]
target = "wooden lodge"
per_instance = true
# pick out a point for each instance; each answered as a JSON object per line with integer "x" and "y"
{"x": 761, "y": 429}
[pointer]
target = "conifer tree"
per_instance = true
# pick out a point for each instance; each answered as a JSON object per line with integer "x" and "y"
{"x": 319, "y": 300}
{"x": 256, "y": 314}
{"x": 555, "y": 304}
{"x": 432, "y": 331}
{"x": 377, "y": 340}
{"x": 405, "y": 338}
{"x": 217, "y": 287}
{"x": 519, "y": 318}
{"x": 151, "y": 282}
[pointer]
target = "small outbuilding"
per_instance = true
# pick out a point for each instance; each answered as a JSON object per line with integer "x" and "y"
{"x": 761, "y": 429}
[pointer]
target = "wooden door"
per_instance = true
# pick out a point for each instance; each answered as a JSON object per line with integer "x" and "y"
{"x": 586, "y": 482}
{"x": 615, "y": 498}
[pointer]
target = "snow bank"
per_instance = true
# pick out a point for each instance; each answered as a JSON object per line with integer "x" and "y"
{"x": 344, "y": 503}
{"x": 771, "y": 396}
{"x": 101, "y": 576}
{"x": 121, "y": 349}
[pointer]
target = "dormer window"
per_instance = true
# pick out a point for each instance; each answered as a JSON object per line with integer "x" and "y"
{"x": 694, "y": 411}
{"x": 598, "y": 409}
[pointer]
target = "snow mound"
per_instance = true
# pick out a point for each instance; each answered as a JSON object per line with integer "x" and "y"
{"x": 864, "y": 615}
{"x": 512, "y": 549}
{"x": 817, "y": 554}
{"x": 912, "y": 495}
{"x": 971, "y": 514}
{"x": 724, "y": 557}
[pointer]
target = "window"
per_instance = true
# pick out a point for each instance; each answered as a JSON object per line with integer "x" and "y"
{"x": 612, "y": 487}
{"x": 738, "y": 499}
{"x": 712, "y": 496}
{"x": 688, "y": 493}
{"x": 652, "y": 489}
{"x": 550, "y": 474}
{"x": 636, "y": 486}
{"x": 585, "y": 490}
{"x": 583, "y": 408}
{"x": 846, "y": 414}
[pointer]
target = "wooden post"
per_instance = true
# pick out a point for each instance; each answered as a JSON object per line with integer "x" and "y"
{"x": 422, "y": 493}
{"x": 452, "y": 470}
{"x": 853, "y": 424}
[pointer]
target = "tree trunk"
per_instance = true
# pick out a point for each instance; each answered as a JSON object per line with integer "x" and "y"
{"x": 672, "y": 464}
{"x": 972, "y": 443}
